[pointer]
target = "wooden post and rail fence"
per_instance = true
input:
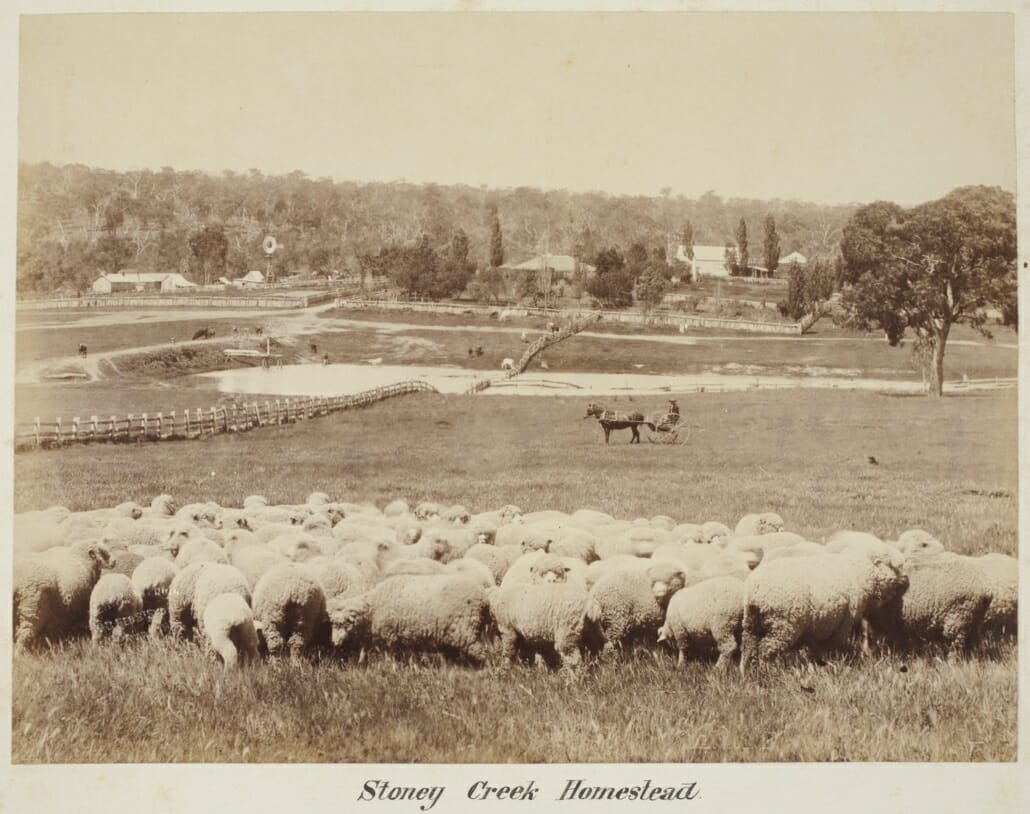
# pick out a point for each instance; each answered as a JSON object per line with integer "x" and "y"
{"x": 201, "y": 423}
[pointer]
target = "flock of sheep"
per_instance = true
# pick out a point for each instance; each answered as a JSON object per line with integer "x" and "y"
{"x": 351, "y": 579}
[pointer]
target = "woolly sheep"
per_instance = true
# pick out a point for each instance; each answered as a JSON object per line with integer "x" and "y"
{"x": 415, "y": 566}
{"x": 396, "y": 508}
{"x": 202, "y": 550}
{"x": 754, "y": 547}
{"x": 228, "y": 625}
{"x": 663, "y": 521}
{"x": 297, "y": 546}
{"x": 632, "y": 603}
{"x": 456, "y": 514}
{"x": 255, "y": 502}
{"x": 290, "y": 609}
{"x": 115, "y": 608}
{"x": 714, "y": 533}
{"x": 1002, "y": 572}
{"x": 125, "y": 562}
{"x": 153, "y": 580}
{"x": 753, "y": 524}
{"x": 623, "y": 562}
{"x": 181, "y": 618}
{"x": 162, "y": 506}
{"x": 447, "y": 612}
{"x": 552, "y": 619}
{"x": 704, "y": 616}
{"x": 523, "y": 571}
{"x": 339, "y": 578}
{"x": 492, "y": 557}
{"x": 37, "y": 532}
{"x": 789, "y": 603}
{"x": 484, "y": 531}
{"x": 427, "y": 510}
{"x": 590, "y": 518}
{"x": 318, "y": 499}
{"x": 805, "y": 549}
{"x": 947, "y": 600}
{"x": 472, "y": 569}
{"x": 216, "y": 579}
{"x": 200, "y": 514}
{"x": 917, "y": 541}
{"x": 687, "y": 533}
{"x": 455, "y": 541}
{"x": 52, "y": 590}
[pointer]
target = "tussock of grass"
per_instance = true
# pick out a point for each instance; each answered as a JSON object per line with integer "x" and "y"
{"x": 165, "y": 701}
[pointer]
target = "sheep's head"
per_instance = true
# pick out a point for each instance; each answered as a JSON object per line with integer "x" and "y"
{"x": 713, "y": 533}
{"x": 334, "y": 513}
{"x": 99, "y": 553}
{"x": 510, "y": 514}
{"x": 427, "y": 510}
{"x": 666, "y": 578}
{"x": 549, "y": 568}
{"x": 437, "y": 546}
{"x": 769, "y": 523}
{"x": 233, "y": 519}
{"x": 318, "y": 499}
{"x": 891, "y": 579}
{"x": 297, "y": 517}
{"x": 130, "y": 509}
{"x": 177, "y": 537}
{"x": 255, "y": 502}
{"x": 537, "y": 541}
{"x": 349, "y": 619}
{"x": 917, "y": 541}
{"x": 485, "y": 534}
{"x": 458, "y": 515}
{"x": 397, "y": 508}
{"x": 164, "y": 504}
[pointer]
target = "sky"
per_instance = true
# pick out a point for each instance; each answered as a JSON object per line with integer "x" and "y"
{"x": 825, "y": 107}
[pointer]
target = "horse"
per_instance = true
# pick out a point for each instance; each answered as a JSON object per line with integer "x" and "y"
{"x": 610, "y": 420}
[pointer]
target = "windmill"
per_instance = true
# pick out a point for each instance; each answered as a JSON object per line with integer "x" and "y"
{"x": 270, "y": 246}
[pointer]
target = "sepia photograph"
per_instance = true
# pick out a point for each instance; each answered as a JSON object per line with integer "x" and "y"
{"x": 580, "y": 387}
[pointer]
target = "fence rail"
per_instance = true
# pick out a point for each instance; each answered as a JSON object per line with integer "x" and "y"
{"x": 200, "y": 423}
{"x": 177, "y": 301}
{"x": 660, "y": 318}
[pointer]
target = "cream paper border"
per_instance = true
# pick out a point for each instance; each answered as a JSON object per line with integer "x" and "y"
{"x": 794, "y": 788}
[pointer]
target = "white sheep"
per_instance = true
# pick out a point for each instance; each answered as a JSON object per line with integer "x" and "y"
{"x": 472, "y": 569}
{"x": 947, "y": 600}
{"x": 492, "y": 557}
{"x": 228, "y": 625}
{"x": 1002, "y": 573}
{"x": 217, "y": 579}
{"x": 553, "y": 619}
{"x": 705, "y": 616}
{"x": 917, "y": 541}
{"x": 447, "y": 612}
{"x": 199, "y": 550}
{"x": 115, "y": 608}
{"x": 714, "y": 533}
{"x": 633, "y": 602}
{"x": 181, "y": 619}
{"x": 153, "y": 580}
{"x": 290, "y": 609}
{"x": 790, "y": 603}
{"x": 753, "y": 524}
{"x": 413, "y": 566}
{"x": 52, "y": 590}
{"x": 339, "y": 578}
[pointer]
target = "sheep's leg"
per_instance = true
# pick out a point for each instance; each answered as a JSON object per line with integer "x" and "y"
{"x": 567, "y": 648}
{"x": 510, "y": 644}
{"x": 158, "y": 622}
{"x": 476, "y": 652}
{"x": 296, "y": 645}
{"x": 727, "y": 647}
{"x": 681, "y": 657}
{"x": 273, "y": 641}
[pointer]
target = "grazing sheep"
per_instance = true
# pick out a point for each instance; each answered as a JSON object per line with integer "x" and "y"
{"x": 290, "y": 609}
{"x": 706, "y": 616}
{"x": 472, "y": 569}
{"x": 805, "y": 549}
{"x": 457, "y": 514}
{"x": 714, "y": 533}
{"x": 254, "y": 560}
{"x": 753, "y": 524}
{"x": 790, "y": 603}
{"x": 632, "y": 603}
{"x": 297, "y": 546}
{"x": 181, "y": 618}
{"x": 199, "y": 550}
{"x": 427, "y": 510}
{"x": 125, "y": 562}
{"x": 1002, "y": 572}
{"x": 687, "y": 533}
{"x": 318, "y": 499}
{"x": 492, "y": 557}
{"x": 485, "y": 532}
{"x": 414, "y": 566}
{"x": 447, "y": 612}
{"x": 917, "y": 541}
{"x": 553, "y": 619}
{"x": 339, "y": 578}
{"x": 254, "y": 502}
{"x": 200, "y": 514}
{"x": 153, "y": 580}
{"x": 229, "y": 626}
{"x": 162, "y": 506}
{"x": 52, "y": 590}
{"x": 397, "y": 508}
{"x": 947, "y": 600}
{"x": 590, "y": 518}
{"x": 37, "y": 532}
{"x": 216, "y": 579}
{"x": 115, "y": 608}
{"x": 452, "y": 542}
{"x": 662, "y": 521}
{"x": 755, "y": 547}
{"x": 622, "y": 562}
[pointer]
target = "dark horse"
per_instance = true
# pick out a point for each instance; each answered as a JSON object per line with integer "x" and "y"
{"x": 610, "y": 420}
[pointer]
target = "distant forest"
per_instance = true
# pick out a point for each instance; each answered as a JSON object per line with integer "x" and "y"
{"x": 75, "y": 222}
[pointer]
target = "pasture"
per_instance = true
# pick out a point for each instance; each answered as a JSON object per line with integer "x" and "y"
{"x": 822, "y": 459}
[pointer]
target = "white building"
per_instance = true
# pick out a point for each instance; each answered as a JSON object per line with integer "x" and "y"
{"x": 127, "y": 280}
{"x": 709, "y": 261}
{"x": 252, "y": 279}
{"x": 561, "y": 265}
{"x": 793, "y": 257}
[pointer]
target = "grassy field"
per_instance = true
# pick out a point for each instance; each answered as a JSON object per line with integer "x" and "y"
{"x": 948, "y": 465}
{"x": 167, "y": 702}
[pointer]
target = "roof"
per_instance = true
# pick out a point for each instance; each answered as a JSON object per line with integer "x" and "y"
{"x": 179, "y": 280}
{"x": 130, "y": 276}
{"x": 706, "y": 254}
{"x": 793, "y": 257}
{"x": 556, "y": 262}
{"x": 252, "y": 277}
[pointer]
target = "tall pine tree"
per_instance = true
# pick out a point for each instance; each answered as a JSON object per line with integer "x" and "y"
{"x": 742, "y": 257}
{"x": 771, "y": 248}
{"x": 496, "y": 241}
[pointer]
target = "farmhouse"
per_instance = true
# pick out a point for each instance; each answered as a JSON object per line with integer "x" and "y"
{"x": 128, "y": 280}
{"x": 560, "y": 265}
{"x": 709, "y": 261}
{"x": 793, "y": 257}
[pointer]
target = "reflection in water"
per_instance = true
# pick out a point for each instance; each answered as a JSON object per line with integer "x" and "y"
{"x": 340, "y": 379}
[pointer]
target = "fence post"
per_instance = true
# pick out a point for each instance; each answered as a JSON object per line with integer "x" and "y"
{"x": 171, "y": 420}
{"x": 92, "y": 427}
{"x": 35, "y": 425}
{"x": 278, "y": 414}
{"x": 287, "y": 411}
{"x": 75, "y": 428}
{"x": 214, "y": 420}
{"x": 143, "y": 426}
{"x": 114, "y": 432}
{"x": 186, "y": 412}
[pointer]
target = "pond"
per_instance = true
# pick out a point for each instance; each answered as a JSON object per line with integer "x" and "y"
{"x": 343, "y": 379}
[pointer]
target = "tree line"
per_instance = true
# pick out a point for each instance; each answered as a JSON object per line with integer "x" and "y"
{"x": 75, "y": 222}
